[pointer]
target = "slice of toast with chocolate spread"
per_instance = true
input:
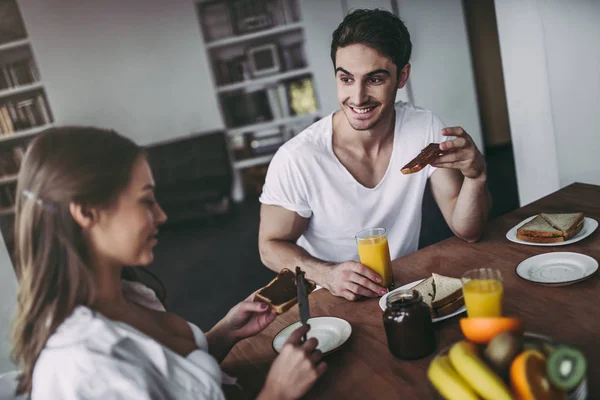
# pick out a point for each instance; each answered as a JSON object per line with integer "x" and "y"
{"x": 281, "y": 292}
{"x": 426, "y": 156}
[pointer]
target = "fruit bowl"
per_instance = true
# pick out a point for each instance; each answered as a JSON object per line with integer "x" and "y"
{"x": 530, "y": 341}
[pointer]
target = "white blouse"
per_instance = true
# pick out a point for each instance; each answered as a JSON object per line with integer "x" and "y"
{"x": 92, "y": 357}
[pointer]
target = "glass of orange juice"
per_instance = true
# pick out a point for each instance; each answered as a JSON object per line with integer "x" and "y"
{"x": 483, "y": 292}
{"x": 374, "y": 252}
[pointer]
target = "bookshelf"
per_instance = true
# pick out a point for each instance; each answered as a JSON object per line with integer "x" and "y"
{"x": 262, "y": 78}
{"x": 24, "y": 109}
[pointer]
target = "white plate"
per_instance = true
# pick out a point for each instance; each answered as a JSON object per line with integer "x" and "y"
{"x": 331, "y": 332}
{"x": 557, "y": 268}
{"x": 589, "y": 226}
{"x": 382, "y": 301}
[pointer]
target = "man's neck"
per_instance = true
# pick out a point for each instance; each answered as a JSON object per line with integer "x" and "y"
{"x": 368, "y": 141}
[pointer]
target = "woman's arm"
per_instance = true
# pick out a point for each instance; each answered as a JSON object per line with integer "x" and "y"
{"x": 244, "y": 320}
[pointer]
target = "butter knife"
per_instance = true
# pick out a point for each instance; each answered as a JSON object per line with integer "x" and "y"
{"x": 302, "y": 298}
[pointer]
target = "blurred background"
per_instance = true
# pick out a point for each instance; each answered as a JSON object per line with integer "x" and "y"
{"x": 213, "y": 88}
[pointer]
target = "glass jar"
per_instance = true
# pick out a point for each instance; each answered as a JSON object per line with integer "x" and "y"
{"x": 408, "y": 326}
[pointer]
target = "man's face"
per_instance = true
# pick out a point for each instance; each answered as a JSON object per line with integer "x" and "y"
{"x": 367, "y": 82}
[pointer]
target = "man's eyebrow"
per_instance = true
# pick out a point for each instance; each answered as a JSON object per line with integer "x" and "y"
{"x": 149, "y": 187}
{"x": 379, "y": 71}
{"x": 375, "y": 72}
{"x": 342, "y": 70}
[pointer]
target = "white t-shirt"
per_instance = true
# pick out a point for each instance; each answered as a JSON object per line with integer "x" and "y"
{"x": 306, "y": 177}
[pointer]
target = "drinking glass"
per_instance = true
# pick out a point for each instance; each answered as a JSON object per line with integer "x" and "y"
{"x": 483, "y": 292}
{"x": 374, "y": 252}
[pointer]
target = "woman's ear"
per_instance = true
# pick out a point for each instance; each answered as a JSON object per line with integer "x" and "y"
{"x": 84, "y": 216}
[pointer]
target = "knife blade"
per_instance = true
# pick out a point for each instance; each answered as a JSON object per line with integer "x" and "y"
{"x": 302, "y": 298}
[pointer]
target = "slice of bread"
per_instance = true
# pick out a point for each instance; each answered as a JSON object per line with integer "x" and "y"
{"x": 447, "y": 290}
{"x": 568, "y": 224}
{"x": 540, "y": 239}
{"x": 427, "y": 290}
{"x": 281, "y": 293}
{"x": 538, "y": 227}
{"x": 449, "y": 308}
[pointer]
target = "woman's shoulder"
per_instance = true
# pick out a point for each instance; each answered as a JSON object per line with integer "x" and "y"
{"x": 81, "y": 327}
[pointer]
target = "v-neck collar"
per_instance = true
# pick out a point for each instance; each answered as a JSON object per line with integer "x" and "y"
{"x": 398, "y": 117}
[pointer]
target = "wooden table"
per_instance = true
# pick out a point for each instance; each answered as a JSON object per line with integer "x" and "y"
{"x": 363, "y": 368}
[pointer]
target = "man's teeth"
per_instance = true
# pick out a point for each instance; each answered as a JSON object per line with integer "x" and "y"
{"x": 362, "y": 110}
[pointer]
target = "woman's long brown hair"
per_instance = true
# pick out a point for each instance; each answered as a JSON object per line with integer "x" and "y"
{"x": 84, "y": 165}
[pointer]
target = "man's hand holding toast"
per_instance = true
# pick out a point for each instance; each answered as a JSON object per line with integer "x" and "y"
{"x": 461, "y": 153}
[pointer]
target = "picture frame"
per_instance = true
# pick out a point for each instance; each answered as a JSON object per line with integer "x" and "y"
{"x": 263, "y": 60}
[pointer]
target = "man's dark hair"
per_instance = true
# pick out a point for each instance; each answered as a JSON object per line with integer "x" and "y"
{"x": 379, "y": 29}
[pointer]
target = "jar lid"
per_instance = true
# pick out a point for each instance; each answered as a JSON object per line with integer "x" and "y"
{"x": 403, "y": 298}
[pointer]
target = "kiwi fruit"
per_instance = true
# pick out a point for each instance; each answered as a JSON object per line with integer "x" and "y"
{"x": 502, "y": 350}
{"x": 566, "y": 367}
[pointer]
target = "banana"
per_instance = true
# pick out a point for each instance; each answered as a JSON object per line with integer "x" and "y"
{"x": 465, "y": 360}
{"x": 448, "y": 382}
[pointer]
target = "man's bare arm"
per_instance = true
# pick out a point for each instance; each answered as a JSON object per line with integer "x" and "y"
{"x": 464, "y": 202}
{"x": 278, "y": 232}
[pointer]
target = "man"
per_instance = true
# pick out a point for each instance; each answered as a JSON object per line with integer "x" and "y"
{"x": 342, "y": 174}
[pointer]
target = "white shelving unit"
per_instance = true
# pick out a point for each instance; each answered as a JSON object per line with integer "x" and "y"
{"x": 249, "y": 84}
{"x": 283, "y": 33}
{"x": 24, "y": 112}
{"x": 20, "y": 89}
{"x": 256, "y": 35}
{"x": 24, "y": 133}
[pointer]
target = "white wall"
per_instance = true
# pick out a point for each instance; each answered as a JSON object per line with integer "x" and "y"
{"x": 442, "y": 78}
{"x": 8, "y": 293}
{"x": 550, "y": 56}
{"x": 572, "y": 39}
{"x": 137, "y": 66}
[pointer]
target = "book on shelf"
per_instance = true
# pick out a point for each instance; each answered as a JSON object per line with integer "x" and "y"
{"x": 7, "y": 196}
{"x": 23, "y": 113}
{"x": 250, "y": 16}
{"x": 242, "y": 108}
{"x": 13, "y": 27}
{"x": 301, "y": 96}
{"x": 216, "y": 20}
{"x": 293, "y": 56}
{"x": 19, "y": 73}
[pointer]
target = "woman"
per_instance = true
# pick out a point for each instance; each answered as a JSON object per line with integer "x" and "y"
{"x": 85, "y": 217}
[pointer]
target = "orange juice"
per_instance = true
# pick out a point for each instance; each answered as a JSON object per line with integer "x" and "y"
{"x": 483, "y": 297}
{"x": 374, "y": 252}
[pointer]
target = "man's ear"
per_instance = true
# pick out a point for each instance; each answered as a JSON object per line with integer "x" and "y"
{"x": 84, "y": 216}
{"x": 403, "y": 76}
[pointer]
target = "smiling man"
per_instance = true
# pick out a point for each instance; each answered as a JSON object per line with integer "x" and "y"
{"x": 342, "y": 174}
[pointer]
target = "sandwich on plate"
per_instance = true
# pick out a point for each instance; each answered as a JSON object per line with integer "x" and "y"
{"x": 551, "y": 228}
{"x": 442, "y": 294}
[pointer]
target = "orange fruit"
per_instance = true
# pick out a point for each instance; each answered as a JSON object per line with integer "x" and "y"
{"x": 528, "y": 378}
{"x": 482, "y": 330}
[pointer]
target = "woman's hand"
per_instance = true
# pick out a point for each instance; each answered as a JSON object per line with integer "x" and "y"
{"x": 248, "y": 318}
{"x": 245, "y": 319}
{"x": 295, "y": 370}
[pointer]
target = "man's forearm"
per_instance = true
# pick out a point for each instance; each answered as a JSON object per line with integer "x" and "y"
{"x": 279, "y": 254}
{"x": 472, "y": 209}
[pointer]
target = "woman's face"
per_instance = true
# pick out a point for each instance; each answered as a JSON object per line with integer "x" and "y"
{"x": 125, "y": 233}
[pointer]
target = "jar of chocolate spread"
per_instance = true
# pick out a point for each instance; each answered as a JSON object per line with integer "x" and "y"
{"x": 408, "y": 326}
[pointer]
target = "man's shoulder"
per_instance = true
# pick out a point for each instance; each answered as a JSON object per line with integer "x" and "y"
{"x": 413, "y": 112}
{"x": 311, "y": 140}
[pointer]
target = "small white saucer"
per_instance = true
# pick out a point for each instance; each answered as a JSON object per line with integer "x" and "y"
{"x": 589, "y": 226}
{"x": 383, "y": 304}
{"x": 557, "y": 269}
{"x": 331, "y": 332}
